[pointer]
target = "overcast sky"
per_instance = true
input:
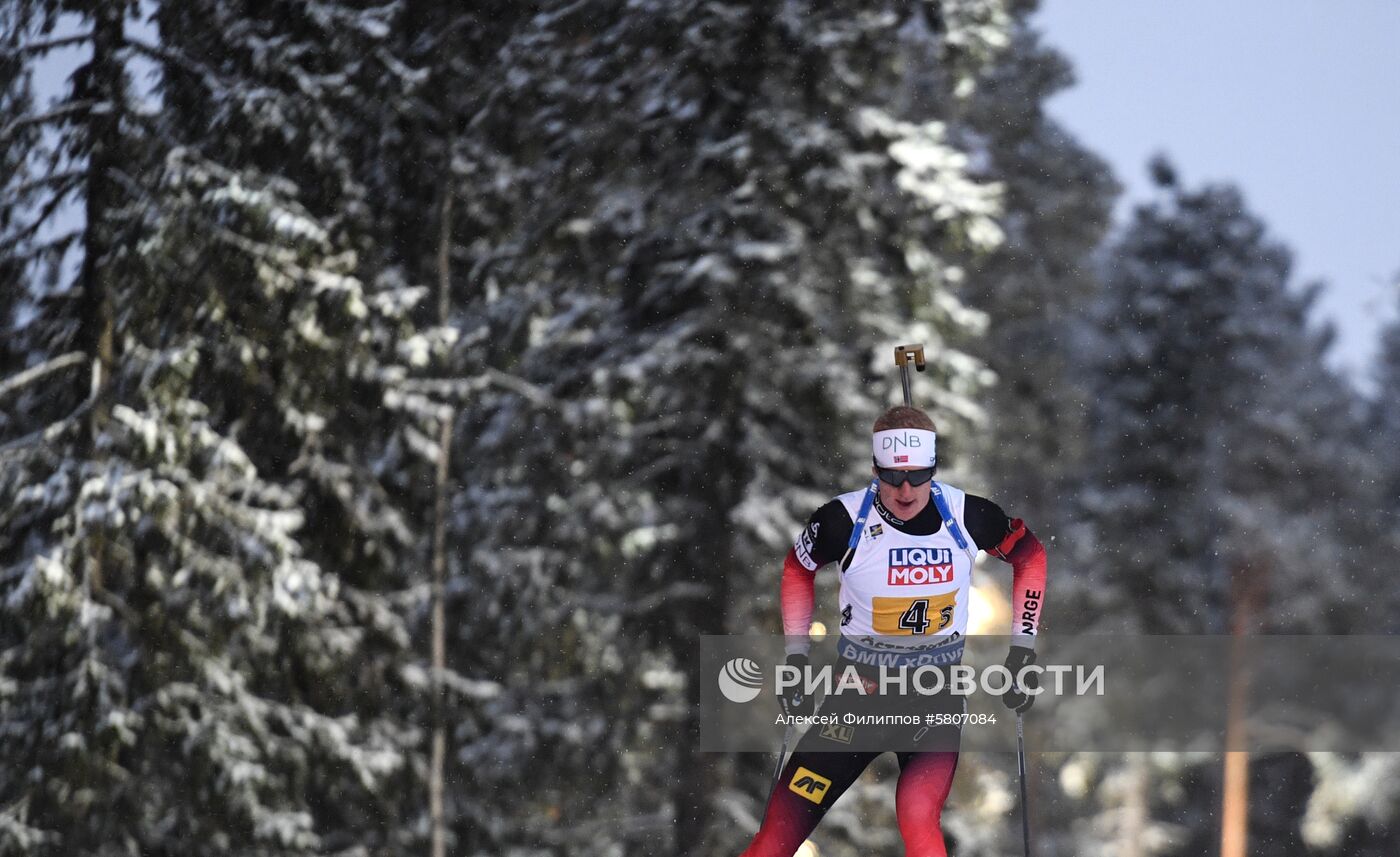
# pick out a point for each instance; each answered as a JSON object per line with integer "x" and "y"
{"x": 1297, "y": 102}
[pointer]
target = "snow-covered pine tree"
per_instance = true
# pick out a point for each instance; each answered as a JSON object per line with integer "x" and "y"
{"x": 17, "y": 190}
{"x": 1037, "y": 285}
{"x": 691, "y": 224}
{"x": 436, "y": 199}
{"x": 1220, "y": 427}
{"x": 198, "y": 655}
{"x": 1385, "y": 421}
{"x": 1229, "y": 459}
{"x": 69, "y": 156}
{"x": 323, "y": 95}
{"x": 1352, "y": 803}
{"x": 1383, "y": 434}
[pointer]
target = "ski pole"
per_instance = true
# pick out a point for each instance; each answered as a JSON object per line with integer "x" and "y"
{"x": 778, "y": 770}
{"x": 1021, "y": 762}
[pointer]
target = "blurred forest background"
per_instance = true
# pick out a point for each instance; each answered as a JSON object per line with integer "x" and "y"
{"x": 390, "y": 393}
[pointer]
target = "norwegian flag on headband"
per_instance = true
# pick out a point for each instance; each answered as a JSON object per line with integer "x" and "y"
{"x": 901, "y": 459}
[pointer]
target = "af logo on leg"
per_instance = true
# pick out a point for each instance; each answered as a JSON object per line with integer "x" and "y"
{"x": 809, "y": 784}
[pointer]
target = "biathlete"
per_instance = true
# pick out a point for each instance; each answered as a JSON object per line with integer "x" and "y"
{"x": 904, "y": 595}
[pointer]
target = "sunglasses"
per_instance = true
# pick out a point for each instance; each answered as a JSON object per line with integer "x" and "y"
{"x": 899, "y": 477}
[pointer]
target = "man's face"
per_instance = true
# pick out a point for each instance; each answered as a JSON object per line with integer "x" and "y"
{"x": 907, "y": 500}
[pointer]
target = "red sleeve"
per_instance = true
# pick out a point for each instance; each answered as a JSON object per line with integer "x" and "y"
{"x": 1026, "y": 554}
{"x": 798, "y": 596}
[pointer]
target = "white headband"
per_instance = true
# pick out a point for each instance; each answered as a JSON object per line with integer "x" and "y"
{"x": 904, "y": 448}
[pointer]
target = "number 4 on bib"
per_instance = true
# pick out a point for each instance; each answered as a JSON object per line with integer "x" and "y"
{"x": 915, "y": 619}
{"x": 913, "y": 616}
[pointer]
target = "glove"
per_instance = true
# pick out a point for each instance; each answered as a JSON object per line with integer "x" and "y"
{"x": 794, "y": 700}
{"x": 1016, "y": 698}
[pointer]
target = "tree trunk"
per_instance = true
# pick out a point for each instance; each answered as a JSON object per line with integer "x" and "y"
{"x": 1134, "y": 813}
{"x": 102, "y": 81}
{"x": 439, "y": 566}
{"x": 1246, "y": 593}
